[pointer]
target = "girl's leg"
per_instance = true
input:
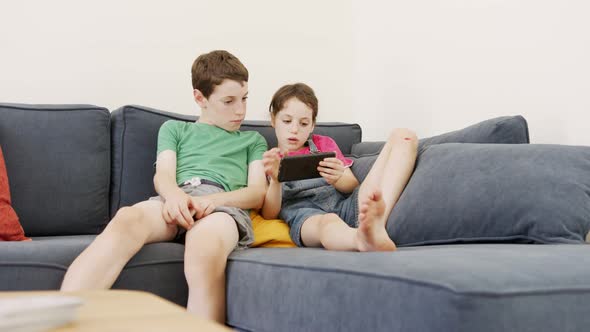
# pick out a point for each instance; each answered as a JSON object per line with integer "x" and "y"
{"x": 208, "y": 244}
{"x": 328, "y": 231}
{"x": 383, "y": 186}
{"x": 392, "y": 169}
{"x": 331, "y": 232}
{"x": 99, "y": 265}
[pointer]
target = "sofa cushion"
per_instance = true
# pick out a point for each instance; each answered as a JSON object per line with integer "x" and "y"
{"x": 58, "y": 158}
{"x": 478, "y": 287}
{"x": 135, "y": 135}
{"x": 270, "y": 233}
{"x": 10, "y": 227}
{"x": 41, "y": 264}
{"x": 505, "y": 129}
{"x": 495, "y": 192}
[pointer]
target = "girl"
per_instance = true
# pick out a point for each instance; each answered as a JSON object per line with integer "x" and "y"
{"x": 333, "y": 211}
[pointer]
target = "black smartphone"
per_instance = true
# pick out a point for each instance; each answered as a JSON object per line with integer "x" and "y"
{"x": 300, "y": 167}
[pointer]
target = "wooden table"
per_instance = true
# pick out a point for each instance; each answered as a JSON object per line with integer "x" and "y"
{"x": 122, "y": 310}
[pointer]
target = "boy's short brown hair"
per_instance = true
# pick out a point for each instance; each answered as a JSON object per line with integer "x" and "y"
{"x": 300, "y": 91}
{"x": 210, "y": 69}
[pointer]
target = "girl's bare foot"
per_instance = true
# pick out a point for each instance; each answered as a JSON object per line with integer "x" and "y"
{"x": 371, "y": 234}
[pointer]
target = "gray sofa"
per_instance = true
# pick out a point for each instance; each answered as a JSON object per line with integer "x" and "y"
{"x": 71, "y": 167}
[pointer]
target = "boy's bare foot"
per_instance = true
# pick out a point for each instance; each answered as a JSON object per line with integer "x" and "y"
{"x": 371, "y": 234}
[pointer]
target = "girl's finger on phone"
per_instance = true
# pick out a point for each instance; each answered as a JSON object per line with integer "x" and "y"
{"x": 328, "y": 170}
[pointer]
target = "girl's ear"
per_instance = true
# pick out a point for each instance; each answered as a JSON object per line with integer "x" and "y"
{"x": 200, "y": 98}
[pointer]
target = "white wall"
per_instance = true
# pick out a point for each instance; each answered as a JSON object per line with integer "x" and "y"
{"x": 438, "y": 65}
{"x": 112, "y": 52}
{"x": 431, "y": 65}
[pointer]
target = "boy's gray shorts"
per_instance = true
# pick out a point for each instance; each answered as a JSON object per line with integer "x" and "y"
{"x": 241, "y": 217}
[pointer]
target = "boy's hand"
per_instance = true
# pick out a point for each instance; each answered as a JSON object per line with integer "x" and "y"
{"x": 178, "y": 209}
{"x": 202, "y": 206}
{"x": 331, "y": 169}
{"x": 271, "y": 160}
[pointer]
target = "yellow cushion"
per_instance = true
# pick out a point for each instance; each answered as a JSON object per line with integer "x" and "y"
{"x": 272, "y": 233}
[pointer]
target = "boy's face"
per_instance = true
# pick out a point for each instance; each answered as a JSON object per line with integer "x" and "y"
{"x": 226, "y": 106}
{"x": 293, "y": 124}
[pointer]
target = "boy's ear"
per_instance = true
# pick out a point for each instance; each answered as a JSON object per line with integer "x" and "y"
{"x": 200, "y": 98}
{"x": 272, "y": 120}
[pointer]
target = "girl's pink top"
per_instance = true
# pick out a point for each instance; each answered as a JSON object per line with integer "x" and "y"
{"x": 324, "y": 144}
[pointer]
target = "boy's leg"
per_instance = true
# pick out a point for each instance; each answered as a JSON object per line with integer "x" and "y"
{"x": 99, "y": 265}
{"x": 382, "y": 188}
{"x": 328, "y": 231}
{"x": 208, "y": 244}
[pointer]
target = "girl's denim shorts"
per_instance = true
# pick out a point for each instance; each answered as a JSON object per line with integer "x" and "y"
{"x": 306, "y": 198}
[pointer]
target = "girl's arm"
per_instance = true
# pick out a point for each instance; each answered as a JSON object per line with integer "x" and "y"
{"x": 272, "y": 201}
{"x": 347, "y": 182}
{"x": 274, "y": 194}
{"x": 333, "y": 170}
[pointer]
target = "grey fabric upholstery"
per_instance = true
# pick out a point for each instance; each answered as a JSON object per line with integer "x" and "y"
{"x": 135, "y": 136}
{"x": 479, "y": 287}
{"x": 495, "y": 193}
{"x": 58, "y": 165}
{"x": 501, "y": 130}
{"x": 41, "y": 265}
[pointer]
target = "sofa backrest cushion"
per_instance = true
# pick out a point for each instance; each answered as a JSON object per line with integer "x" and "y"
{"x": 525, "y": 193}
{"x": 134, "y": 142}
{"x": 58, "y": 164}
{"x": 499, "y": 130}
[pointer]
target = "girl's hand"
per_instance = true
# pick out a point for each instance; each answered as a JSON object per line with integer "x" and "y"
{"x": 271, "y": 160}
{"x": 331, "y": 169}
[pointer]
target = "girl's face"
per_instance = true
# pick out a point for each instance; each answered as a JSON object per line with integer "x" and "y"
{"x": 293, "y": 124}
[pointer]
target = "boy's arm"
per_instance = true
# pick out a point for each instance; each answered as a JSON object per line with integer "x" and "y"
{"x": 176, "y": 202}
{"x": 250, "y": 197}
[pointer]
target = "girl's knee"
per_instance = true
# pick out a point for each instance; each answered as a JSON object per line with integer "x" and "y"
{"x": 403, "y": 135}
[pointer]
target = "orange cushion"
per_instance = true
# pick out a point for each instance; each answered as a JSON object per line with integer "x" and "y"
{"x": 10, "y": 227}
{"x": 272, "y": 233}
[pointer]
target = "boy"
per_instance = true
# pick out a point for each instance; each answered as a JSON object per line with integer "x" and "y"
{"x": 206, "y": 173}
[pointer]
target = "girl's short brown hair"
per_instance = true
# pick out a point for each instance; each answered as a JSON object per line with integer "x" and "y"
{"x": 300, "y": 91}
{"x": 210, "y": 69}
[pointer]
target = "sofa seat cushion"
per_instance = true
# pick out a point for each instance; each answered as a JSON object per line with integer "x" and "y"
{"x": 41, "y": 264}
{"x": 477, "y": 287}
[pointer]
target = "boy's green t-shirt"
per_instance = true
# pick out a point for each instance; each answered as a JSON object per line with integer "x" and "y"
{"x": 210, "y": 152}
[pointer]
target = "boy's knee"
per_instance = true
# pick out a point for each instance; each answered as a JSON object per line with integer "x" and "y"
{"x": 128, "y": 221}
{"x": 129, "y": 213}
{"x": 403, "y": 135}
{"x": 223, "y": 216}
{"x": 205, "y": 261}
